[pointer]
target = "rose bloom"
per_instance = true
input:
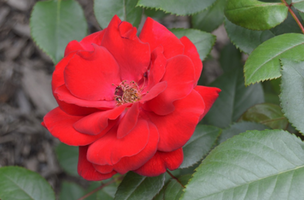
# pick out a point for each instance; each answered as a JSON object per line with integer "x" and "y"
{"x": 130, "y": 103}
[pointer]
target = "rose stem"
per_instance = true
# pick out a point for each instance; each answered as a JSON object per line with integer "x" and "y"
{"x": 100, "y": 187}
{"x": 294, "y": 15}
{"x": 175, "y": 179}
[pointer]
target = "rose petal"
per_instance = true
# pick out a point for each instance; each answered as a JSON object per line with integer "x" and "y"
{"x": 176, "y": 128}
{"x": 104, "y": 169}
{"x": 129, "y": 121}
{"x": 86, "y": 169}
{"x": 209, "y": 95}
{"x": 97, "y": 122}
{"x": 191, "y": 52}
{"x": 180, "y": 78}
{"x": 108, "y": 150}
{"x": 154, "y": 91}
{"x": 156, "y": 34}
{"x": 132, "y": 55}
{"x": 134, "y": 162}
{"x": 160, "y": 162}
{"x": 92, "y": 76}
{"x": 60, "y": 125}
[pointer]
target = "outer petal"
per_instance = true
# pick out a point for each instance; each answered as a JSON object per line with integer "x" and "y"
{"x": 86, "y": 169}
{"x": 109, "y": 150}
{"x": 129, "y": 121}
{"x": 191, "y": 52}
{"x": 91, "y": 76}
{"x": 132, "y": 55}
{"x": 176, "y": 128}
{"x": 156, "y": 34}
{"x": 180, "y": 78}
{"x": 160, "y": 162}
{"x": 97, "y": 122}
{"x": 209, "y": 95}
{"x": 60, "y": 125}
{"x": 63, "y": 94}
{"x": 134, "y": 162}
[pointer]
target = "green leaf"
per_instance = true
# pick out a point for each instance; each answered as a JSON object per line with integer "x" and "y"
{"x": 210, "y": 19}
{"x": 244, "y": 39}
{"x": 263, "y": 63}
{"x": 230, "y": 58}
{"x": 136, "y": 187}
{"x": 234, "y": 98}
{"x": 178, "y": 7}
{"x": 292, "y": 94}
{"x": 298, "y": 4}
{"x": 156, "y": 14}
{"x": 199, "y": 144}
{"x": 268, "y": 114}
{"x": 70, "y": 191}
{"x": 55, "y": 23}
{"x": 68, "y": 158}
{"x": 22, "y": 184}
{"x": 174, "y": 190}
{"x": 106, "y": 193}
{"x": 203, "y": 41}
{"x": 240, "y": 127}
{"x": 255, "y": 15}
{"x": 253, "y": 165}
{"x": 125, "y": 9}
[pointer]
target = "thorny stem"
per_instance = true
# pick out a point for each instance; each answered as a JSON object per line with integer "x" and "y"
{"x": 294, "y": 15}
{"x": 175, "y": 179}
{"x": 100, "y": 187}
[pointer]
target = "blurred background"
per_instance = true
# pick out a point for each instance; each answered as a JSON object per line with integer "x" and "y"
{"x": 25, "y": 88}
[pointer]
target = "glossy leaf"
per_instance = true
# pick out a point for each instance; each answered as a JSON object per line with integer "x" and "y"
{"x": 293, "y": 92}
{"x": 136, "y": 187}
{"x": 230, "y": 58}
{"x": 106, "y": 193}
{"x": 178, "y": 7}
{"x": 70, "y": 190}
{"x": 203, "y": 41}
{"x": 199, "y": 144}
{"x": 174, "y": 189}
{"x": 253, "y": 165}
{"x": 263, "y": 63}
{"x": 255, "y": 15}
{"x": 55, "y": 23}
{"x": 298, "y": 4}
{"x": 22, "y": 184}
{"x": 125, "y": 9}
{"x": 244, "y": 39}
{"x": 240, "y": 127}
{"x": 267, "y": 114}
{"x": 68, "y": 158}
{"x": 234, "y": 99}
{"x": 211, "y": 18}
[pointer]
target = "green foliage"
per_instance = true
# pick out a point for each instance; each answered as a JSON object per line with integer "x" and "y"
{"x": 21, "y": 184}
{"x": 178, "y": 7}
{"x": 211, "y": 18}
{"x": 234, "y": 98}
{"x": 70, "y": 190}
{"x": 254, "y": 165}
{"x": 244, "y": 39}
{"x": 298, "y": 4}
{"x": 255, "y": 15}
{"x": 125, "y": 9}
{"x": 292, "y": 95}
{"x": 263, "y": 63}
{"x": 106, "y": 193}
{"x": 136, "y": 187}
{"x": 230, "y": 58}
{"x": 203, "y": 41}
{"x": 199, "y": 144}
{"x": 68, "y": 158}
{"x": 55, "y": 23}
{"x": 240, "y": 127}
{"x": 267, "y": 114}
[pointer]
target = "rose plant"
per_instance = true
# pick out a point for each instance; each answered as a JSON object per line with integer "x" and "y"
{"x": 130, "y": 103}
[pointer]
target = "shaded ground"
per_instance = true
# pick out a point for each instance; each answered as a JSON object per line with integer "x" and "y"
{"x": 25, "y": 90}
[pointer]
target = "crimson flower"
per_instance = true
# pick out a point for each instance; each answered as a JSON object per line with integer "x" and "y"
{"x": 130, "y": 103}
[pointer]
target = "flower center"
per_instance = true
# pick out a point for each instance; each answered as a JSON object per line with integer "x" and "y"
{"x": 127, "y": 92}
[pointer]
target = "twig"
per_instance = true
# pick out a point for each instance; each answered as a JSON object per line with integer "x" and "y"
{"x": 175, "y": 179}
{"x": 294, "y": 15}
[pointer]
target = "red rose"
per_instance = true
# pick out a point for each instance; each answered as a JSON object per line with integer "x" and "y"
{"x": 130, "y": 103}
